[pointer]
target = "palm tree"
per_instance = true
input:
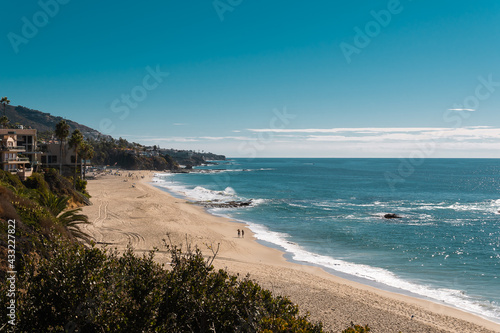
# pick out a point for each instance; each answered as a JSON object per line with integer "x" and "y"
{"x": 5, "y": 101}
{"x": 87, "y": 154}
{"x": 62, "y": 132}
{"x": 52, "y": 202}
{"x": 22, "y": 191}
{"x": 75, "y": 142}
{"x": 4, "y": 120}
{"x": 70, "y": 219}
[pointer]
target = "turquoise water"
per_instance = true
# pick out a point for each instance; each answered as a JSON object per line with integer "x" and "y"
{"x": 329, "y": 212}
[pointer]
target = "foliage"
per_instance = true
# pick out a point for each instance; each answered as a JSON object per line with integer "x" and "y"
{"x": 84, "y": 289}
{"x": 53, "y": 203}
{"x": 6, "y": 178}
{"x": 61, "y": 133}
{"x": 62, "y": 130}
{"x": 4, "y": 101}
{"x": 38, "y": 207}
{"x": 72, "y": 220}
{"x": 34, "y": 226}
{"x": 108, "y": 151}
{"x": 357, "y": 329}
{"x": 4, "y": 121}
{"x": 37, "y": 182}
{"x": 76, "y": 142}
{"x": 81, "y": 185}
{"x": 87, "y": 154}
{"x": 63, "y": 187}
{"x": 45, "y": 135}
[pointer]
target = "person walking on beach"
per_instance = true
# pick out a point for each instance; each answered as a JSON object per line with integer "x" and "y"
{"x": 242, "y": 233}
{"x": 239, "y": 233}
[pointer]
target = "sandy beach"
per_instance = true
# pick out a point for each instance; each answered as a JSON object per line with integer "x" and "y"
{"x": 130, "y": 210}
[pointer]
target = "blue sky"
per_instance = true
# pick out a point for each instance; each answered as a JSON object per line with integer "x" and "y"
{"x": 265, "y": 78}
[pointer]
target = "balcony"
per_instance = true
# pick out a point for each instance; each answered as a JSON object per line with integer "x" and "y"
{"x": 24, "y": 173}
{"x": 13, "y": 148}
{"x": 18, "y": 160}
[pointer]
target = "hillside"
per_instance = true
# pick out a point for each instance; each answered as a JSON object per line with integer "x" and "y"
{"x": 109, "y": 151}
{"x": 192, "y": 158}
{"x": 44, "y": 122}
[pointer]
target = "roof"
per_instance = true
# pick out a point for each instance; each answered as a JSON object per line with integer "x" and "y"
{"x": 17, "y": 131}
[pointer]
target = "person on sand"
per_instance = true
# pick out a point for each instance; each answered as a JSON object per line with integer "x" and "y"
{"x": 239, "y": 233}
{"x": 242, "y": 233}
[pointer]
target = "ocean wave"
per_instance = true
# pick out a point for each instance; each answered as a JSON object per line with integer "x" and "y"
{"x": 211, "y": 171}
{"x": 158, "y": 177}
{"x": 452, "y": 297}
{"x": 205, "y": 195}
{"x": 490, "y": 206}
{"x": 256, "y": 202}
{"x": 198, "y": 193}
{"x": 297, "y": 205}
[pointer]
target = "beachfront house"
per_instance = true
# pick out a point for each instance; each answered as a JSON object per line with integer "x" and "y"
{"x": 51, "y": 157}
{"x": 18, "y": 151}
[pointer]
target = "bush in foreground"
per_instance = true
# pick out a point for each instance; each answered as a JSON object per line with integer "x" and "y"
{"x": 93, "y": 290}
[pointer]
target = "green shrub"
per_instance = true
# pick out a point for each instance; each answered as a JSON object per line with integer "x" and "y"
{"x": 81, "y": 185}
{"x": 8, "y": 179}
{"x": 37, "y": 182}
{"x": 357, "y": 329}
{"x": 92, "y": 290}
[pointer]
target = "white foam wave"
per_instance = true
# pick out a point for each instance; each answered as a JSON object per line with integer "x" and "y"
{"x": 297, "y": 205}
{"x": 487, "y": 206}
{"x": 200, "y": 193}
{"x": 231, "y": 170}
{"x": 452, "y": 297}
{"x": 219, "y": 170}
{"x": 256, "y": 202}
{"x": 158, "y": 177}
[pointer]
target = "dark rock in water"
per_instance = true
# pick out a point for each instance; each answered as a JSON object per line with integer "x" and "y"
{"x": 392, "y": 216}
{"x": 227, "y": 204}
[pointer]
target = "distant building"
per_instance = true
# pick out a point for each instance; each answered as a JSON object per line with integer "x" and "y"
{"x": 51, "y": 157}
{"x": 28, "y": 139}
{"x": 21, "y": 155}
{"x": 18, "y": 151}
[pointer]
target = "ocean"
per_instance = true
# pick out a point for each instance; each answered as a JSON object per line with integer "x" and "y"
{"x": 330, "y": 213}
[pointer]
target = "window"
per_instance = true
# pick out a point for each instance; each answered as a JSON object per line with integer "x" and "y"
{"x": 49, "y": 159}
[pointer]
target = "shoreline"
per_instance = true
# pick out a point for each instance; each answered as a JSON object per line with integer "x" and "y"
{"x": 143, "y": 214}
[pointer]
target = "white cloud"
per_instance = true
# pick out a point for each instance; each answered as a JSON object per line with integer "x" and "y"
{"x": 171, "y": 139}
{"x": 434, "y": 134}
{"x": 472, "y": 141}
{"x": 239, "y": 138}
{"x": 347, "y": 130}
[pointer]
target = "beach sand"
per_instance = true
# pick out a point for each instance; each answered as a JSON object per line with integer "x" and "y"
{"x": 130, "y": 210}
